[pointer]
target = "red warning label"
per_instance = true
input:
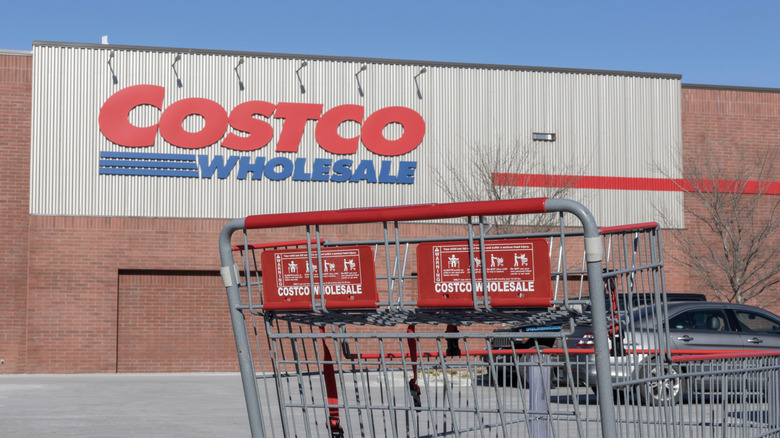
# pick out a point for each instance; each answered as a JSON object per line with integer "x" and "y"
{"x": 515, "y": 273}
{"x": 346, "y": 275}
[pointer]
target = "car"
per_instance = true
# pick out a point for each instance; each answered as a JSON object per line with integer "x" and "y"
{"x": 528, "y": 335}
{"x": 620, "y": 302}
{"x": 694, "y": 325}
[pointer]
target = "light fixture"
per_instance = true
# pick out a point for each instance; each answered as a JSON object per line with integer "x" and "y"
{"x": 357, "y": 79}
{"x": 235, "y": 69}
{"x": 175, "y": 72}
{"x": 416, "y": 84}
{"x": 300, "y": 81}
{"x": 111, "y": 67}
{"x": 543, "y": 136}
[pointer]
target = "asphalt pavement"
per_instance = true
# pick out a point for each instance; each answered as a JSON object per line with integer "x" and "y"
{"x": 122, "y": 405}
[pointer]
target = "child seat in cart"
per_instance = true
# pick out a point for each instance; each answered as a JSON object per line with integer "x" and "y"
{"x": 397, "y": 321}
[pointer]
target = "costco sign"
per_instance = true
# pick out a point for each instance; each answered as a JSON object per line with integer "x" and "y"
{"x": 251, "y": 119}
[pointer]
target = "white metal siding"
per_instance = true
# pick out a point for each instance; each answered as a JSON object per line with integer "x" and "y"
{"x": 613, "y": 125}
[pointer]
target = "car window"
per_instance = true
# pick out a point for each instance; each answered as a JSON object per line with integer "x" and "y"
{"x": 756, "y": 322}
{"x": 681, "y": 322}
{"x": 700, "y": 319}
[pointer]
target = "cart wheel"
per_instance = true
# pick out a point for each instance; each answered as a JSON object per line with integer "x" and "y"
{"x": 335, "y": 428}
{"x": 667, "y": 389}
{"x": 414, "y": 389}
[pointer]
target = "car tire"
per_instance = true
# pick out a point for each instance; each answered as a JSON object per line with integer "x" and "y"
{"x": 666, "y": 388}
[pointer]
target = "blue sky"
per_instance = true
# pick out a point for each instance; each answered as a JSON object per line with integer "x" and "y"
{"x": 707, "y": 42}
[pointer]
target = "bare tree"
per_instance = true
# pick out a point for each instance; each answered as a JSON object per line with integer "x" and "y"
{"x": 732, "y": 243}
{"x": 502, "y": 170}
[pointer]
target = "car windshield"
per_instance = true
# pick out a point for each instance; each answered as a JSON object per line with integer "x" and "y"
{"x": 640, "y": 315}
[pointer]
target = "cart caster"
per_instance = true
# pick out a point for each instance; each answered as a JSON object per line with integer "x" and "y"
{"x": 414, "y": 389}
{"x": 335, "y": 428}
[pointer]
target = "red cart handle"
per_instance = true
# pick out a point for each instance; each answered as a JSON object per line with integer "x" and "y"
{"x": 400, "y": 213}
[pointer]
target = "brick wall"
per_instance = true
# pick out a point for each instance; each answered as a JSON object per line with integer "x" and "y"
{"x": 84, "y": 292}
{"x": 730, "y": 126}
{"x": 173, "y": 321}
{"x": 15, "y": 116}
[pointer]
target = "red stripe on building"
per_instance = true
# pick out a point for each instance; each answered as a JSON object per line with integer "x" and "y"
{"x": 629, "y": 183}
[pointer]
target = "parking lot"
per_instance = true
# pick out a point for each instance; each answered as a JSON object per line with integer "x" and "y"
{"x": 212, "y": 405}
{"x": 122, "y": 405}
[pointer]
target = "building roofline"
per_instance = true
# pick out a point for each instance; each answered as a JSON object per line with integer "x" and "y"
{"x": 16, "y": 52}
{"x": 731, "y": 88}
{"x": 359, "y": 59}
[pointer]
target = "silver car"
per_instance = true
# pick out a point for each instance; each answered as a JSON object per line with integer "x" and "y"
{"x": 691, "y": 326}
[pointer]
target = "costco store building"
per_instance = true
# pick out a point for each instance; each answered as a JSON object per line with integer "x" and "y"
{"x": 122, "y": 164}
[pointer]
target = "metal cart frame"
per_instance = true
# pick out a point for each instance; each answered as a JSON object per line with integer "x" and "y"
{"x": 369, "y": 357}
{"x": 592, "y": 248}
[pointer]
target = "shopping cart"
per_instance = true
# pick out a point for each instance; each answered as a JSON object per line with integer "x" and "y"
{"x": 401, "y": 341}
{"x": 425, "y": 321}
